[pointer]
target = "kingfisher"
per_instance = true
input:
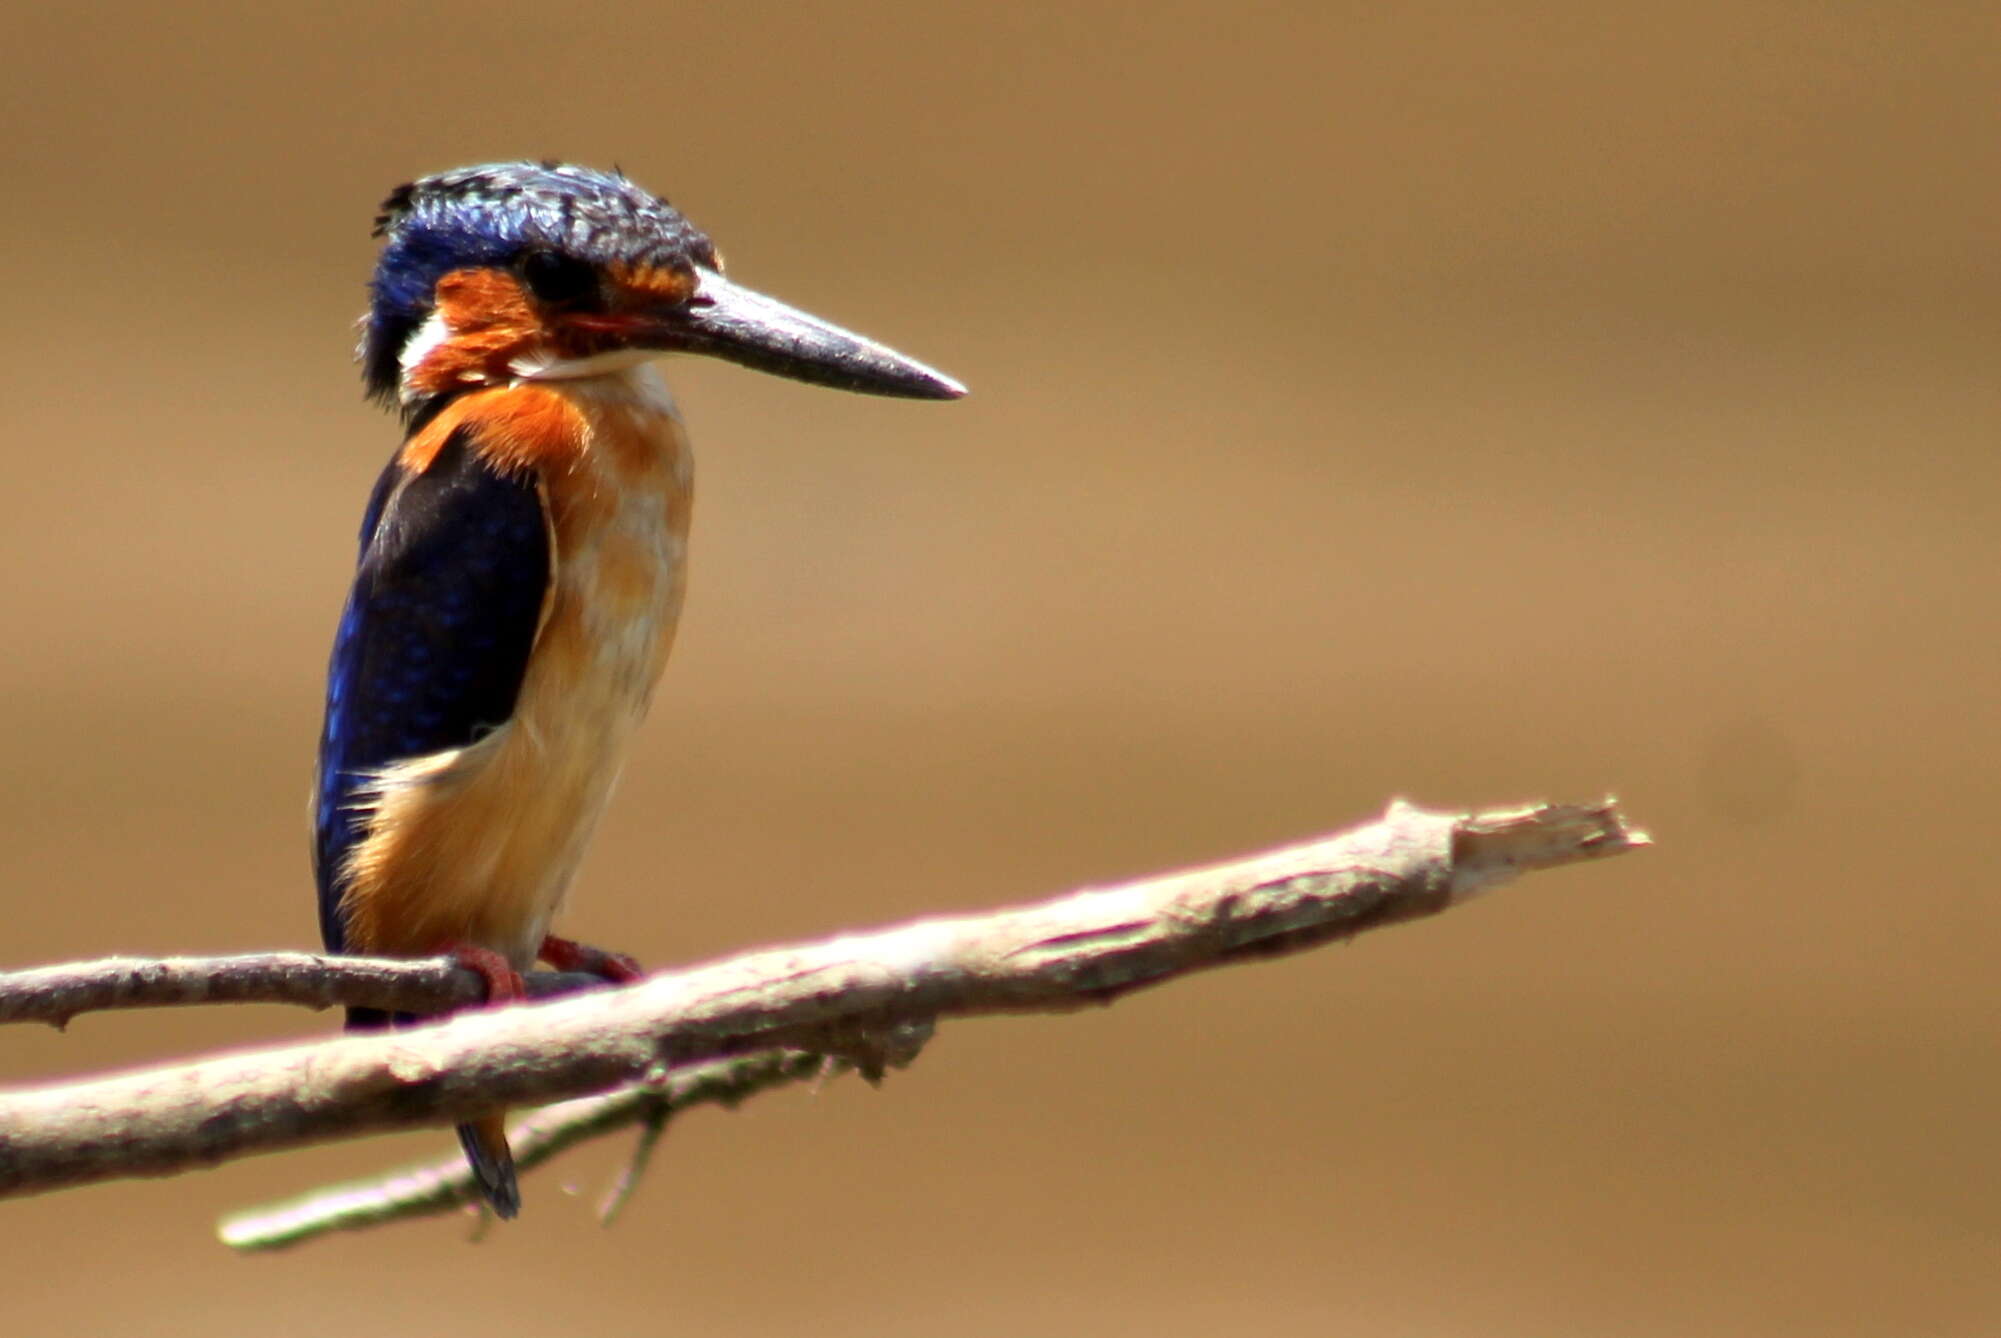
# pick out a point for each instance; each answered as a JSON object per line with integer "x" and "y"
{"x": 522, "y": 557}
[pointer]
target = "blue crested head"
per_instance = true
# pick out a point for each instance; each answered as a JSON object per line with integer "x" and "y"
{"x": 496, "y": 214}
{"x": 552, "y": 271}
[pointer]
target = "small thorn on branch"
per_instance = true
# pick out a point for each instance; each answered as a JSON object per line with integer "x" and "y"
{"x": 653, "y": 1119}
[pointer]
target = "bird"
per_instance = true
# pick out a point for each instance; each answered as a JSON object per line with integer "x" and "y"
{"x": 522, "y": 557}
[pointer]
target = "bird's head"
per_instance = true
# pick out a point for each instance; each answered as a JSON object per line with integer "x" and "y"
{"x": 519, "y": 271}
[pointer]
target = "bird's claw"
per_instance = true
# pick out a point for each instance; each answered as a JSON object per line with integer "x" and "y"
{"x": 569, "y": 955}
{"x": 503, "y": 982}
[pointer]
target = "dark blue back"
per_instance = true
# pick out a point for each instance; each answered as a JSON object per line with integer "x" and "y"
{"x": 435, "y": 638}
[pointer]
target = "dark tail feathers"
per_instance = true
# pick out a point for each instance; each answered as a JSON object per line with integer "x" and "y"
{"x": 485, "y": 1140}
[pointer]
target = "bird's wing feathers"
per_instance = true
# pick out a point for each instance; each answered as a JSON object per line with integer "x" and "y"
{"x": 434, "y": 643}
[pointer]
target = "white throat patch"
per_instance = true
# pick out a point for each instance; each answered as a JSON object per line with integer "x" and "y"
{"x": 629, "y": 376}
{"x": 421, "y": 345}
{"x": 542, "y": 367}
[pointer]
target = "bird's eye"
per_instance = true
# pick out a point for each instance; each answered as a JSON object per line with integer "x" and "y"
{"x": 558, "y": 278}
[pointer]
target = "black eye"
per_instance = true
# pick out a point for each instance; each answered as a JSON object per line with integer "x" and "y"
{"x": 558, "y": 278}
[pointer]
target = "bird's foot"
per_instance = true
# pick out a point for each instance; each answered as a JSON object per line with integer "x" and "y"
{"x": 567, "y": 954}
{"x": 503, "y": 982}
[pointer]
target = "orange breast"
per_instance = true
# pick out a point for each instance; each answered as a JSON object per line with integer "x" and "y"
{"x": 478, "y": 844}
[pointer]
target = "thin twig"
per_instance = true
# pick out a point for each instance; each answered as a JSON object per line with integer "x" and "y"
{"x": 55, "y": 994}
{"x": 440, "y": 1186}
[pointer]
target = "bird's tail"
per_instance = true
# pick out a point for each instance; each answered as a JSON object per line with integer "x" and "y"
{"x": 485, "y": 1139}
{"x": 485, "y": 1142}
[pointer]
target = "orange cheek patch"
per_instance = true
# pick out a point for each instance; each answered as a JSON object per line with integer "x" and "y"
{"x": 490, "y": 320}
{"x": 481, "y": 299}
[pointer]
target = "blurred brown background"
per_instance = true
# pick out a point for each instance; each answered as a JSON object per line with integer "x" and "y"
{"x": 1473, "y": 403}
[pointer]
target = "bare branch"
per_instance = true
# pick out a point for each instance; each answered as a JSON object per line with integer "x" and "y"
{"x": 55, "y": 994}
{"x": 854, "y": 996}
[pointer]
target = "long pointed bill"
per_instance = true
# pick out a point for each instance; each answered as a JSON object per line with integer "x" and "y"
{"x": 726, "y": 320}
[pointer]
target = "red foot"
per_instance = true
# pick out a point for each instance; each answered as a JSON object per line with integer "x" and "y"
{"x": 503, "y": 982}
{"x": 569, "y": 955}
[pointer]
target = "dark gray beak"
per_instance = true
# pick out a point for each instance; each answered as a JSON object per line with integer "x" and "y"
{"x": 729, "y": 321}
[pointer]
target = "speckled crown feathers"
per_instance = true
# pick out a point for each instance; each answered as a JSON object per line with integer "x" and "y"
{"x": 491, "y": 213}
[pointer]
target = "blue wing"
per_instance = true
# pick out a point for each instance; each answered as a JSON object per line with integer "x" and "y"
{"x": 435, "y": 638}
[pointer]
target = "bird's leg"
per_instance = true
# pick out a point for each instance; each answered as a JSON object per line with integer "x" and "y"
{"x": 566, "y": 954}
{"x": 503, "y": 982}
